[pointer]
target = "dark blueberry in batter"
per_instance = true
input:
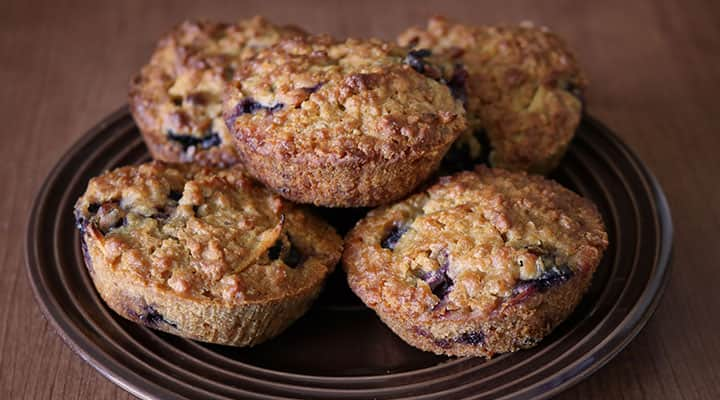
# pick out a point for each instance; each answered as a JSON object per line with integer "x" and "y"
{"x": 210, "y": 140}
{"x": 186, "y": 141}
{"x": 175, "y": 195}
{"x": 250, "y": 106}
{"x": 554, "y": 276}
{"x": 415, "y": 59}
{"x": 443, "y": 343}
{"x": 439, "y": 281}
{"x": 93, "y": 208}
{"x": 149, "y": 316}
{"x": 293, "y": 258}
{"x": 458, "y": 83}
{"x": 86, "y": 253}
{"x": 393, "y": 236}
{"x": 119, "y": 223}
{"x": 473, "y": 338}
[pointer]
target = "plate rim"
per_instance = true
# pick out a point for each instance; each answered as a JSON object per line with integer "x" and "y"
{"x": 129, "y": 380}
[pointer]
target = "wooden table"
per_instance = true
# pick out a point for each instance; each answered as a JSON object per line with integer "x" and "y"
{"x": 653, "y": 66}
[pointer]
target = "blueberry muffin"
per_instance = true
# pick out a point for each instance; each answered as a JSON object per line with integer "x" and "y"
{"x": 483, "y": 262}
{"x": 341, "y": 124}
{"x": 524, "y": 90}
{"x": 203, "y": 253}
{"x": 176, "y": 98}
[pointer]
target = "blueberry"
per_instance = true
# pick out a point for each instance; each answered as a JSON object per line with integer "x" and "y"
{"x": 119, "y": 223}
{"x": 439, "y": 281}
{"x": 93, "y": 208}
{"x": 415, "y": 59}
{"x": 392, "y": 237}
{"x": 211, "y": 140}
{"x": 292, "y": 257}
{"x": 186, "y": 141}
{"x": 175, "y": 195}
{"x": 86, "y": 254}
{"x": 250, "y": 106}
{"x": 149, "y": 316}
{"x": 458, "y": 83}
{"x": 473, "y": 338}
{"x": 552, "y": 277}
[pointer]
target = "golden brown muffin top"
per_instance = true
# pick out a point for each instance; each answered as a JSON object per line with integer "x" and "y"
{"x": 178, "y": 94}
{"x": 524, "y": 85}
{"x": 471, "y": 242}
{"x": 204, "y": 233}
{"x": 318, "y": 100}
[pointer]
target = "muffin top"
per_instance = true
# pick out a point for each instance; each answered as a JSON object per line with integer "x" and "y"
{"x": 203, "y": 233}
{"x": 471, "y": 242}
{"x": 316, "y": 100}
{"x": 524, "y": 86}
{"x": 178, "y": 94}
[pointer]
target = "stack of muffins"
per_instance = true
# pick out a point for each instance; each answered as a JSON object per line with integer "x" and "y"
{"x": 254, "y": 126}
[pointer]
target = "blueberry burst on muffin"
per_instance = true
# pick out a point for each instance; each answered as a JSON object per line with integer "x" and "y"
{"x": 483, "y": 262}
{"x": 342, "y": 124}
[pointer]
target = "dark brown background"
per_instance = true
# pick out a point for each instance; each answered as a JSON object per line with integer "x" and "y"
{"x": 654, "y": 67}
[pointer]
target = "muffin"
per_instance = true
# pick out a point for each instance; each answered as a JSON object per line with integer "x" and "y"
{"x": 341, "y": 124}
{"x": 524, "y": 90}
{"x": 203, "y": 253}
{"x": 176, "y": 98}
{"x": 483, "y": 262}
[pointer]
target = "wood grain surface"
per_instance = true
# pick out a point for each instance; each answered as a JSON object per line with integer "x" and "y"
{"x": 654, "y": 68}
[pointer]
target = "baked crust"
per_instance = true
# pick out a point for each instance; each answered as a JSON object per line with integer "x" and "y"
{"x": 480, "y": 263}
{"x": 176, "y": 98}
{"x": 203, "y": 253}
{"x": 340, "y": 124}
{"x": 524, "y": 88}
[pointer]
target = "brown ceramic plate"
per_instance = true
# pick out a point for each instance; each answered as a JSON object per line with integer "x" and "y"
{"x": 340, "y": 349}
